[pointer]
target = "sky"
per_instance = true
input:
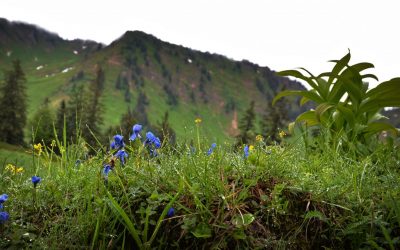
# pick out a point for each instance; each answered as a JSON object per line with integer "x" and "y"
{"x": 280, "y": 34}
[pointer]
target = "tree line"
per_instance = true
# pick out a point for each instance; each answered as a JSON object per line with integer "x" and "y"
{"x": 81, "y": 116}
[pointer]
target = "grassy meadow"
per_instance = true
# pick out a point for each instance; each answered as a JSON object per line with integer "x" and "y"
{"x": 280, "y": 196}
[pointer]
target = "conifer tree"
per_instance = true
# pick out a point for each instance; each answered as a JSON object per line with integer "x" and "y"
{"x": 60, "y": 118}
{"x": 246, "y": 126}
{"x": 165, "y": 130}
{"x": 140, "y": 109}
{"x": 92, "y": 117}
{"x": 42, "y": 125}
{"x": 274, "y": 119}
{"x": 13, "y": 105}
{"x": 74, "y": 113}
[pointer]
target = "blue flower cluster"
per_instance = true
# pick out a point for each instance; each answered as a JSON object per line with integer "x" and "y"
{"x": 246, "y": 151}
{"x": 118, "y": 142}
{"x": 35, "y": 180}
{"x": 209, "y": 152}
{"x": 4, "y": 216}
{"x": 152, "y": 143}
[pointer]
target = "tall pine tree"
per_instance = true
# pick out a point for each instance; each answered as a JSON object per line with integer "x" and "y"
{"x": 13, "y": 105}
{"x": 275, "y": 118}
{"x": 92, "y": 117}
{"x": 165, "y": 131}
{"x": 42, "y": 125}
{"x": 246, "y": 126}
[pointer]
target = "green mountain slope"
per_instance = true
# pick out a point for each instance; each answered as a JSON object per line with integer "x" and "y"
{"x": 185, "y": 82}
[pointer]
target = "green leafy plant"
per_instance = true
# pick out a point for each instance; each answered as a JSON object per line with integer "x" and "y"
{"x": 345, "y": 108}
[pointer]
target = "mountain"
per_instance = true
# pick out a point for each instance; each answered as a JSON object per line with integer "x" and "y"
{"x": 185, "y": 82}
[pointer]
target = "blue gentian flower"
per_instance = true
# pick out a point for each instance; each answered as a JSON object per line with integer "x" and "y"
{"x": 171, "y": 212}
{"x": 3, "y": 198}
{"x": 118, "y": 142}
{"x": 211, "y": 149}
{"x": 121, "y": 154}
{"x": 4, "y": 216}
{"x": 107, "y": 169}
{"x": 151, "y": 139}
{"x": 136, "y": 130}
{"x": 36, "y": 180}
{"x": 246, "y": 151}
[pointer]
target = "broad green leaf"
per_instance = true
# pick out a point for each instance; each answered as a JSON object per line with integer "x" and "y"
{"x": 347, "y": 114}
{"x": 377, "y": 127}
{"x": 243, "y": 220}
{"x": 308, "y": 94}
{"x": 322, "y": 108}
{"x": 361, "y": 66}
{"x": 291, "y": 127}
{"x": 369, "y": 76}
{"x": 299, "y": 75}
{"x": 389, "y": 87}
{"x": 308, "y": 117}
{"x": 202, "y": 230}
{"x": 338, "y": 118}
{"x": 338, "y": 67}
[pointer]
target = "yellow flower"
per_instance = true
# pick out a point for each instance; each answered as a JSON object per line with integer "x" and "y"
{"x": 282, "y": 134}
{"x": 197, "y": 121}
{"x": 259, "y": 138}
{"x": 10, "y": 167}
{"x": 38, "y": 148}
{"x": 13, "y": 169}
{"x": 251, "y": 147}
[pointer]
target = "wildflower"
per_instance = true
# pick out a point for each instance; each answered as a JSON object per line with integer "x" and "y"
{"x": 251, "y": 148}
{"x": 197, "y": 120}
{"x": 171, "y": 212}
{"x": 4, "y": 216}
{"x": 13, "y": 169}
{"x": 151, "y": 139}
{"x": 259, "y": 138}
{"x": 118, "y": 142}
{"x": 53, "y": 143}
{"x": 246, "y": 151}
{"x": 136, "y": 130}
{"x": 3, "y": 198}
{"x": 38, "y": 148}
{"x": 107, "y": 169}
{"x": 121, "y": 154}
{"x": 36, "y": 180}
{"x": 209, "y": 152}
{"x": 282, "y": 134}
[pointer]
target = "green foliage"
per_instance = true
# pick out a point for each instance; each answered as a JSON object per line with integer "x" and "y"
{"x": 274, "y": 119}
{"x": 247, "y": 126}
{"x": 167, "y": 134}
{"x": 275, "y": 198}
{"x": 42, "y": 125}
{"x": 13, "y": 105}
{"x": 92, "y": 118}
{"x": 347, "y": 111}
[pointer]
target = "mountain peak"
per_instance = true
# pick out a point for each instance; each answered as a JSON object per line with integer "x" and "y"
{"x": 28, "y": 34}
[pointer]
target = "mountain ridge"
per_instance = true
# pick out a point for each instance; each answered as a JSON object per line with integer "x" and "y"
{"x": 186, "y": 82}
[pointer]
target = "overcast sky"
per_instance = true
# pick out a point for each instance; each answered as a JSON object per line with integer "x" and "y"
{"x": 280, "y": 34}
